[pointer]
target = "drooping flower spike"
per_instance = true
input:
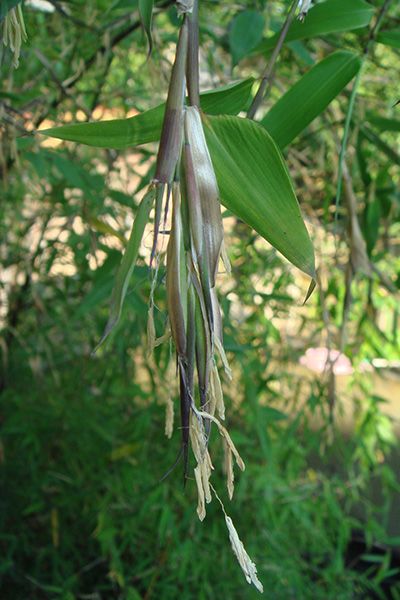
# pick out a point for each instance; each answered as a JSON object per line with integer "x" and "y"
{"x": 186, "y": 185}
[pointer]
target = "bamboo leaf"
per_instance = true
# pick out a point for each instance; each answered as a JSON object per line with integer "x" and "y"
{"x": 245, "y": 33}
{"x": 128, "y": 263}
{"x": 389, "y": 38}
{"x": 146, "y": 127}
{"x": 254, "y": 184}
{"x": 309, "y": 97}
{"x": 383, "y": 123}
{"x": 227, "y": 100}
{"x": 332, "y": 16}
{"x": 146, "y": 17}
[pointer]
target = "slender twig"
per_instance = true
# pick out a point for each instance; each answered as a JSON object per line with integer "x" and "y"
{"x": 268, "y": 75}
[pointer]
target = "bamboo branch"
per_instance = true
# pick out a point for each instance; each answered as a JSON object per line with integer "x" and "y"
{"x": 268, "y": 75}
{"x": 192, "y": 72}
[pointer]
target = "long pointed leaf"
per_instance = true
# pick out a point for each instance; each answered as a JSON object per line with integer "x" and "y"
{"x": 254, "y": 183}
{"x": 146, "y": 17}
{"x": 332, "y": 16}
{"x": 146, "y": 127}
{"x": 128, "y": 263}
{"x": 307, "y": 98}
{"x": 390, "y": 37}
{"x": 383, "y": 123}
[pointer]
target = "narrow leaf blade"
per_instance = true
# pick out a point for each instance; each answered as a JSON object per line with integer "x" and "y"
{"x": 227, "y": 100}
{"x": 383, "y": 123}
{"x": 332, "y": 16}
{"x": 128, "y": 263}
{"x": 116, "y": 133}
{"x": 309, "y": 97}
{"x": 146, "y": 17}
{"x": 146, "y": 127}
{"x": 390, "y": 37}
{"x": 254, "y": 184}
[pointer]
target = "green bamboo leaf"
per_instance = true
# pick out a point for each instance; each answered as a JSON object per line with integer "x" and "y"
{"x": 245, "y": 33}
{"x": 309, "y": 97}
{"x": 128, "y": 263}
{"x": 383, "y": 123}
{"x": 389, "y": 38}
{"x": 146, "y": 17}
{"x": 227, "y": 100}
{"x": 146, "y": 127}
{"x": 332, "y": 16}
{"x": 254, "y": 184}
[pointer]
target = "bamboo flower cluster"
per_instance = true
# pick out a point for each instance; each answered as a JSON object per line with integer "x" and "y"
{"x": 185, "y": 179}
{"x": 14, "y": 32}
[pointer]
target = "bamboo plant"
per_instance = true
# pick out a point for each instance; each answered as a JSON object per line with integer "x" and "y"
{"x": 203, "y": 160}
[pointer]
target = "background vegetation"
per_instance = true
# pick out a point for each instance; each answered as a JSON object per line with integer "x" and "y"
{"x": 83, "y": 514}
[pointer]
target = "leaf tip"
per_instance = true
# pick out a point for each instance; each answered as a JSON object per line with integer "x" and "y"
{"x": 111, "y": 323}
{"x": 310, "y": 290}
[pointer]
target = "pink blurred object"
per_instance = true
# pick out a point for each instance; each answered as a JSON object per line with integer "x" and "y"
{"x": 319, "y": 359}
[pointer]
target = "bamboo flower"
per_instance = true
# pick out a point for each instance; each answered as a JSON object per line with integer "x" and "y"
{"x": 185, "y": 175}
{"x": 248, "y": 567}
{"x": 14, "y": 32}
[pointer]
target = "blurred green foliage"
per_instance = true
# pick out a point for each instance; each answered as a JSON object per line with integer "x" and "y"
{"x": 82, "y": 511}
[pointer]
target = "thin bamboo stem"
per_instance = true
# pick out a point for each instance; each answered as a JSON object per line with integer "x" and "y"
{"x": 268, "y": 75}
{"x": 192, "y": 67}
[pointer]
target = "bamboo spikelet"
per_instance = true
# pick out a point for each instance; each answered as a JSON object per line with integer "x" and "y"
{"x": 14, "y": 32}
